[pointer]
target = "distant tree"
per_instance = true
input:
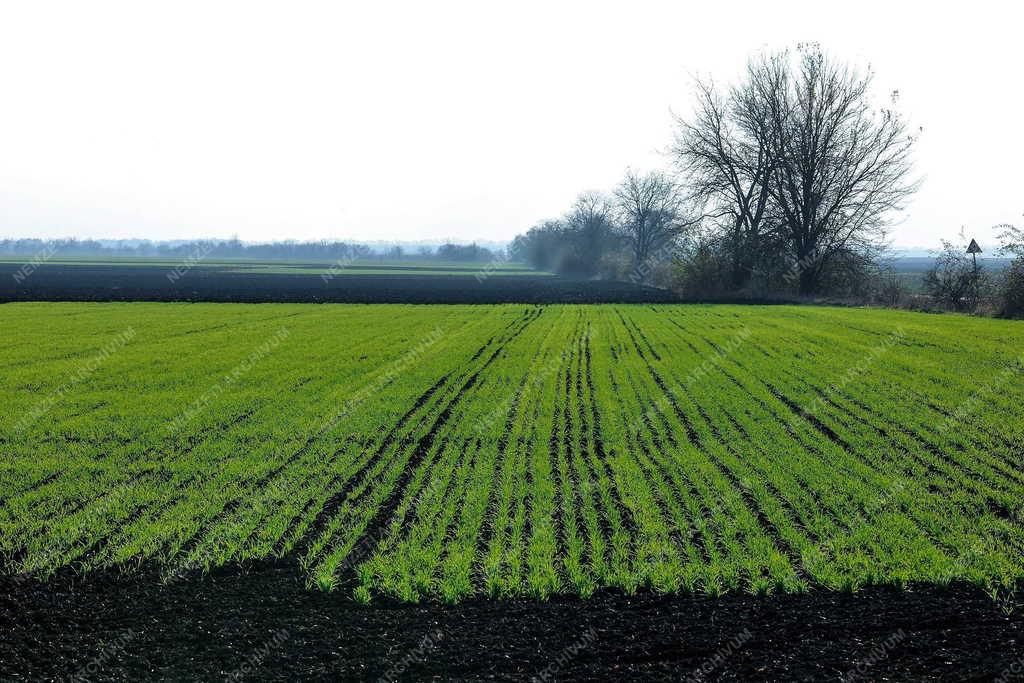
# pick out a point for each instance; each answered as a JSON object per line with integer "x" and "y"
{"x": 464, "y": 252}
{"x": 590, "y": 228}
{"x": 584, "y": 243}
{"x": 544, "y": 246}
{"x": 650, "y": 208}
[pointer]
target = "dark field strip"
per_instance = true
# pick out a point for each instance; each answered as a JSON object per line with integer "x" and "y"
{"x": 100, "y": 282}
{"x": 263, "y": 617}
{"x": 452, "y": 453}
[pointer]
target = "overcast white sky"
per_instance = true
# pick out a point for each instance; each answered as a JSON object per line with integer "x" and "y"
{"x": 380, "y": 120}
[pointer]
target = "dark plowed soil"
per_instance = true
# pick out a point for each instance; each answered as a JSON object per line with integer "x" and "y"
{"x": 57, "y": 282}
{"x": 263, "y": 624}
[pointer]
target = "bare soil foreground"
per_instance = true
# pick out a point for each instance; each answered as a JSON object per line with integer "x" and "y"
{"x": 56, "y": 282}
{"x": 261, "y": 623}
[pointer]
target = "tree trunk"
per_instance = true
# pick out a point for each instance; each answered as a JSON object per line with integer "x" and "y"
{"x": 808, "y": 281}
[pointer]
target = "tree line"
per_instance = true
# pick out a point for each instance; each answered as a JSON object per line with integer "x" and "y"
{"x": 784, "y": 181}
{"x": 233, "y": 248}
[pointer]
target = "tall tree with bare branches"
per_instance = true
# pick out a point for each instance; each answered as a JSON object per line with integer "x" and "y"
{"x": 650, "y": 207}
{"x": 725, "y": 155}
{"x": 842, "y": 168}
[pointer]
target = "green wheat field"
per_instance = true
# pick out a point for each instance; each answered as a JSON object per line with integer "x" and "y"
{"x": 442, "y": 452}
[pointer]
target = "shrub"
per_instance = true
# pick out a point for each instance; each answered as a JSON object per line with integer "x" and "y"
{"x": 954, "y": 281}
{"x": 1012, "y": 294}
{"x": 889, "y": 288}
{"x": 700, "y": 273}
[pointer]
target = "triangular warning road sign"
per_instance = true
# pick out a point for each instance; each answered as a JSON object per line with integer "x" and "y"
{"x": 974, "y": 248}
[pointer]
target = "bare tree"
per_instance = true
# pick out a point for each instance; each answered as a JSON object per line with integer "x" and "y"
{"x": 591, "y": 210}
{"x": 591, "y": 221}
{"x": 841, "y": 168}
{"x": 650, "y": 209}
{"x": 726, "y": 157}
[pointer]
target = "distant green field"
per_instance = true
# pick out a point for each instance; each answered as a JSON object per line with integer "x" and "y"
{"x": 371, "y": 269}
{"x": 444, "y": 265}
{"x": 443, "y": 452}
{"x": 362, "y": 266}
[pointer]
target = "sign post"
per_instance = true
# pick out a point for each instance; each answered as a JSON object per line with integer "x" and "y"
{"x": 973, "y": 249}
